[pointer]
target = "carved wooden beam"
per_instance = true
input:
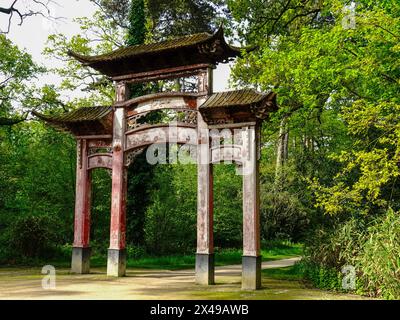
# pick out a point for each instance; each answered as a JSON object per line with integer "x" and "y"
{"x": 161, "y": 74}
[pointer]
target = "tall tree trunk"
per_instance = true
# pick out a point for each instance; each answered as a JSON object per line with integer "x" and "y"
{"x": 283, "y": 145}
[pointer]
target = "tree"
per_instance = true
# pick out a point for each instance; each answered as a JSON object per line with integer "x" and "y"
{"x": 369, "y": 81}
{"x": 137, "y": 23}
{"x": 98, "y": 35}
{"x": 18, "y": 95}
{"x": 35, "y": 8}
{"x": 164, "y": 20}
{"x": 279, "y": 17}
{"x": 178, "y": 18}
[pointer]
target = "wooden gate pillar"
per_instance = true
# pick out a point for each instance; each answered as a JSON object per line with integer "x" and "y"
{"x": 251, "y": 261}
{"x": 116, "y": 262}
{"x": 205, "y": 242}
{"x": 81, "y": 250}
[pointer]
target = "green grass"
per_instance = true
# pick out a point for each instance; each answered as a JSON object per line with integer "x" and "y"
{"x": 291, "y": 273}
{"x": 270, "y": 251}
{"x": 223, "y": 257}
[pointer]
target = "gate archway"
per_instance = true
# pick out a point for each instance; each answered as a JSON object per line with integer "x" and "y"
{"x": 222, "y": 126}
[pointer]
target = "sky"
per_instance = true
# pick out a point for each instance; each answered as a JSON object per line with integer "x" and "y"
{"x": 32, "y": 35}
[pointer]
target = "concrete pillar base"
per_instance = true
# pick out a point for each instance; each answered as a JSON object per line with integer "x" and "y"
{"x": 80, "y": 260}
{"x": 205, "y": 269}
{"x": 251, "y": 273}
{"x": 116, "y": 263}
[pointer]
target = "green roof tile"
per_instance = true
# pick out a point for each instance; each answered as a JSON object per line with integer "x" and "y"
{"x": 132, "y": 51}
{"x": 78, "y": 115}
{"x": 201, "y": 48}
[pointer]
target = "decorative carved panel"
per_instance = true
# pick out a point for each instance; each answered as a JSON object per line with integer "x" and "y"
{"x": 226, "y": 153}
{"x": 131, "y": 155}
{"x": 165, "y": 116}
{"x": 100, "y": 161}
{"x": 96, "y": 150}
{"x": 165, "y": 134}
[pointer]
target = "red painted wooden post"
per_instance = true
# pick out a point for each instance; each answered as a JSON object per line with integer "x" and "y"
{"x": 116, "y": 263}
{"x": 205, "y": 241}
{"x": 251, "y": 262}
{"x": 81, "y": 249}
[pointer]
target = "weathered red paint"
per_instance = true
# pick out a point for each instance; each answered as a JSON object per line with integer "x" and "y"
{"x": 205, "y": 196}
{"x": 120, "y": 133}
{"x": 82, "y": 198}
{"x": 147, "y": 135}
{"x": 118, "y": 202}
{"x": 191, "y": 102}
{"x": 154, "y": 97}
{"x": 100, "y": 161}
{"x": 119, "y": 174}
{"x": 251, "y": 196}
{"x": 165, "y": 73}
{"x": 98, "y": 143}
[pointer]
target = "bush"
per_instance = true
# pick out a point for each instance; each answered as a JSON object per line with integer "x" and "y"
{"x": 333, "y": 247}
{"x": 34, "y": 236}
{"x": 99, "y": 248}
{"x": 379, "y": 259}
{"x": 284, "y": 207}
{"x": 374, "y": 251}
{"x": 228, "y": 204}
{"x": 170, "y": 228}
{"x": 283, "y": 215}
{"x": 323, "y": 278}
{"x": 5, "y": 247}
{"x": 135, "y": 252}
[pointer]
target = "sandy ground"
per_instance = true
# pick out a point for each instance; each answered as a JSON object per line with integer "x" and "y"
{"x": 153, "y": 284}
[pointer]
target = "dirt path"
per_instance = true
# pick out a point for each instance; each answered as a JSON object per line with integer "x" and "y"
{"x": 153, "y": 284}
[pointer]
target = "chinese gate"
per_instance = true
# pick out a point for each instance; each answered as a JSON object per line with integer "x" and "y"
{"x": 221, "y": 126}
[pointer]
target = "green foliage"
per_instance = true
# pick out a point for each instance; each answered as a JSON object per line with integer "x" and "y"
{"x": 284, "y": 214}
{"x": 372, "y": 248}
{"x": 33, "y": 236}
{"x": 137, "y": 23}
{"x": 379, "y": 260}
{"x": 227, "y": 206}
{"x": 292, "y": 273}
{"x": 97, "y": 35}
{"x": 100, "y": 211}
{"x": 338, "y": 92}
{"x": 322, "y": 277}
{"x": 170, "y": 228}
{"x": 33, "y": 186}
{"x": 338, "y": 87}
{"x": 16, "y": 70}
{"x": 135, "y": 252}
{"x": 275, "y": 250}
{"x": 140, "y": 188}
{"x": 337, "y": 244}
{"x": 183, "y": 17}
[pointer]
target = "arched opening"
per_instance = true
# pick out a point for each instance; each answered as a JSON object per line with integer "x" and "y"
{"x": 100, "y": 215}
{"x": 228, "y": 211}
{"x": 161, "y": 204}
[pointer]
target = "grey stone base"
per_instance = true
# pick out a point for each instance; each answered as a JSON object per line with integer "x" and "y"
{"x": 80, "y": 260}
{"x": 205, "y": 269}
{"x": 251, "y": 273}
{"x": 116, "y": 262}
